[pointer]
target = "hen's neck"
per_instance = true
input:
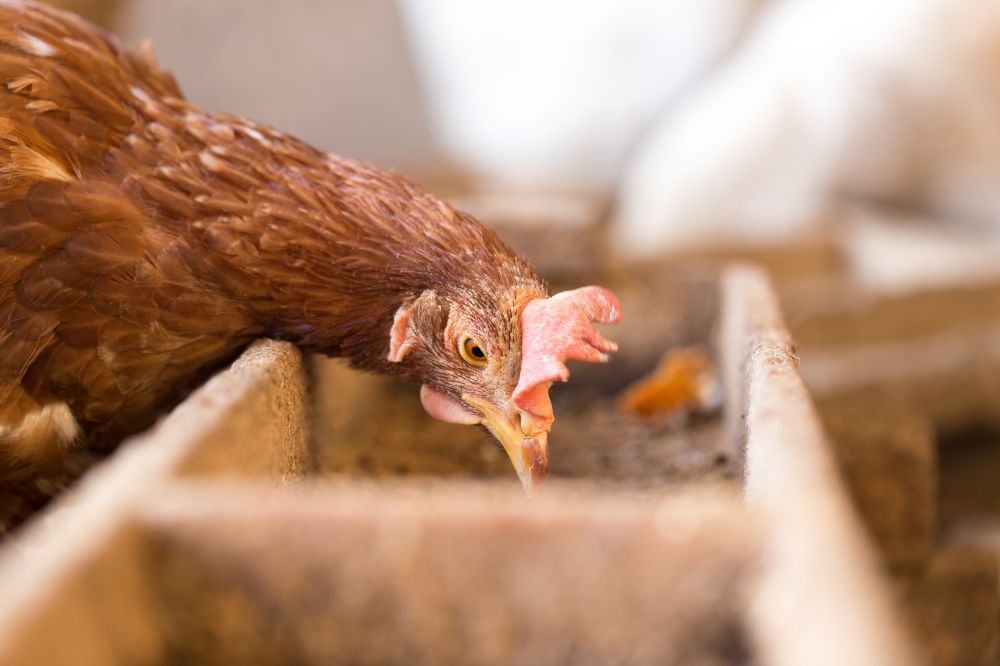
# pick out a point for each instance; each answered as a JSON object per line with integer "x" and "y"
{"x": 332, "y": 247}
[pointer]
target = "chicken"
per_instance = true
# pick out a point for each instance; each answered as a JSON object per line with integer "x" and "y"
{"x": 144, "y": 243}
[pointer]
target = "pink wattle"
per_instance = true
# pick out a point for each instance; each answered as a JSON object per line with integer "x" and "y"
{"x": 446, "y": 409}
{"x": 557, "y": 329}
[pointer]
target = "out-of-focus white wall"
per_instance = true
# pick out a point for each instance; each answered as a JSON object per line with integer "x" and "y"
{"x": 704, "y": 120}
{"x": 336, "y": 73}
{"x": 552, "y": 94}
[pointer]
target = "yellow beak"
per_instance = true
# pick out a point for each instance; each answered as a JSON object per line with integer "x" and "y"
{"x": 528, "y": 451}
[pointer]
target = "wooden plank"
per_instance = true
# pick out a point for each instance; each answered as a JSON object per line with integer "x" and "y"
{"x": 72, "y": 572}
{"x": 447, "y": 573}
{"x": 822, "y": 600}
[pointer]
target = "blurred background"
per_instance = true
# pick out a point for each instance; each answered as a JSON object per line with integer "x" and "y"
{"x": 852, "y": 147}
{"x": 694, "y": 121}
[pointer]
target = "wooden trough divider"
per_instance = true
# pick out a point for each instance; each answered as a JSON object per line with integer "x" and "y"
{"x": 155, "y": 558}
{"x": 822, "y": 599}
{"x": 907, "y": 379}
{"x": 74, "y": 590}
{"x": 463, "y": 572}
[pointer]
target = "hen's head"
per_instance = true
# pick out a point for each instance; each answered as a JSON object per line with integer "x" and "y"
{"x": 491, "y": 359}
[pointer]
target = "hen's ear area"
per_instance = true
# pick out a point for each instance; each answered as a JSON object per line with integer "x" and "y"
{"x": 553, "y": 331}
{"x": 401, "y": 337}
{"x": 426, "y": 308}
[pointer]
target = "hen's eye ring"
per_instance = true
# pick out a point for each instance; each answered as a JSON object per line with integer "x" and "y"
{"x": 471, "y": 350}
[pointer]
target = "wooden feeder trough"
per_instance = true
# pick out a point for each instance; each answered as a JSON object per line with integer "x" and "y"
{"x": 292, "y": 512}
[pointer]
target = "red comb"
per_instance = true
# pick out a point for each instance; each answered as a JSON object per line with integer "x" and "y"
{"x": 555, "y": 330}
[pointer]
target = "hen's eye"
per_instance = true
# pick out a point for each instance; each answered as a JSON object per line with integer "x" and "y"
{"x": 471, "y": 350}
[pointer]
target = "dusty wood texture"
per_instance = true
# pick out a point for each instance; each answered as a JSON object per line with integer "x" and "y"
{"x": 887, "y": 401}
{"x": 455, "y": 573}
{"x": 734, "y": 330}
{"x": 950, "y": 376}
{"x": 902, "y": 353}
{"x": 822, "y": 600}
{"x": 72, "y": 574}
{"x": 843, "y": 314}
{"x": 247, "y": 421}
{"x": 890, "y": 465}
{"x": 953, "y": 605}
{"x": 157, "y": 560}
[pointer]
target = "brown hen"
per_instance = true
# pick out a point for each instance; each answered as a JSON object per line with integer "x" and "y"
{"x": 144, "y": 242}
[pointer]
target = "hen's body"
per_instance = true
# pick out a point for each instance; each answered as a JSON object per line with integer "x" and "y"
{"x": 144, "y": 242}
